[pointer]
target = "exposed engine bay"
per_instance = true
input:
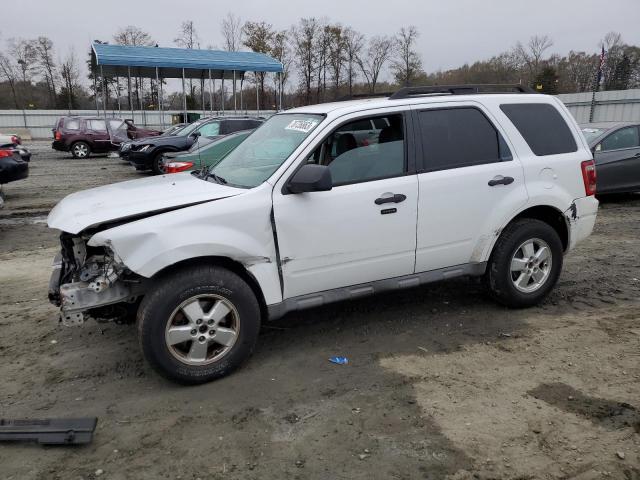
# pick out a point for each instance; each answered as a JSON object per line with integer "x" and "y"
{"x": 92, "y": 282}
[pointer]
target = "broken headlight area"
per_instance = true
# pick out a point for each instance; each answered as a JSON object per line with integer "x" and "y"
{"x": 92, "y": 282}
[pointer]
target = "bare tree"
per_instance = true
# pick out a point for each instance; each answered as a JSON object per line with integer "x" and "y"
{"x": 231, "y": 27}
{"x": 322, "y": 53}
{"x": 70, "y": 77}
{"x": 304, "y": 44}
{"x": 24, "y": 52}
{"x": 615, "y": 52}
{"x": 281, "y": 51}
{"x": 354, "y": 43}
{"x": 579, "y": 71}
{"x": 258, "y": 37}
{"x": 407, "y": 64}
{"x": 531, "y": 55}
{"x": 9, "y": 72}
{"x": 134, "y": 36}
{"x": 44, "y": 58}
{"x": 188, "y": 38}
{"x": 337, "y": 55}
{"x": 378, "y": 53}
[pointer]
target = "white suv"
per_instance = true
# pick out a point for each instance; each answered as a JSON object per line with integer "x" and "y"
{"x": 457, "y": 182}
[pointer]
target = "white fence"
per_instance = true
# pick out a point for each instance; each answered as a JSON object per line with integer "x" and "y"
{"x": 38, "y": 123}
{"x": 615, "y": 105}
{"x": 610, "y": 106}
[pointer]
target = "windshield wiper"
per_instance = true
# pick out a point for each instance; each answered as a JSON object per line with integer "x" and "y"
{"x": 215, "y": 177}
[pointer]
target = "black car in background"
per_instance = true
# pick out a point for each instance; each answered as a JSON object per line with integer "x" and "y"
{"x": 616, "y": 151}
{"x": 147, "y": 153}
{"x": 12, "y": 166}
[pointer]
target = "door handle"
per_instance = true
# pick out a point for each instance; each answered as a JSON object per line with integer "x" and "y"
{"x": 637, "y": 155}
{"x": 390, "y": 198}
{"x": 500, "y": 180}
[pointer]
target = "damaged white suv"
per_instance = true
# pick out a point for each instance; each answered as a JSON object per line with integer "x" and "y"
{"x": 318, "y": 206}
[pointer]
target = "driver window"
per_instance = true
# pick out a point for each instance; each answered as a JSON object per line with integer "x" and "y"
{"x": 210, "y": 129}
{"x": 355, "y": 154}
{"x": 624, "y": 138}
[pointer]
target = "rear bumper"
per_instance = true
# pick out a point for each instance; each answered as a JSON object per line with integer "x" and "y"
{"x": 60, "y": 146}
{"x": 581, "y": 218}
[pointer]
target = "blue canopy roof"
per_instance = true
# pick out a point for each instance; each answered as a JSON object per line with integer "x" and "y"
{"x": 117, "y": 60}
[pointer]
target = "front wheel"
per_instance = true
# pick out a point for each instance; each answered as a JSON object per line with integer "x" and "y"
{"x": 525, "y": 263}
{"x": 157, "y": 164}
{"x": 198, "y": 324}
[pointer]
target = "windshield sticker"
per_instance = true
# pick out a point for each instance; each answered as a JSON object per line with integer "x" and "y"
{"x": 304, "y": 126}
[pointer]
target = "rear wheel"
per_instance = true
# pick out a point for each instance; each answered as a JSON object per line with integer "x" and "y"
{"x": 80, "y": 150}
{"x": 525, "y": 263}
{"x": 198, "y": 324}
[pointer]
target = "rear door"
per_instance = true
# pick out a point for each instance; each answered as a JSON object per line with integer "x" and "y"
{"x": 618, "y": 161}
{"x": 469, "y": 184}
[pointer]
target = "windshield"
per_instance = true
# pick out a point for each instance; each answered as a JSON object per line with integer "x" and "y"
{"x": 255, "y": 159}
{"x": 592, "y": 133}
{"x": 190, "y": 128}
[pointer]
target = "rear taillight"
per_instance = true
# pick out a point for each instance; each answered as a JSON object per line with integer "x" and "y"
{"x": 6, "y": 153}
{"x": 58, "y": 136}
{"x": 175, "y": 167}
{"x": 16, "y": 140}
{"x": 589, "y": 177}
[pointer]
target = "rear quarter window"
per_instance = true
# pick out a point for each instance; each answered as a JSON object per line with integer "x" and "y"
{"x": 542, "y": 127}
{"x": 72, "y": 124}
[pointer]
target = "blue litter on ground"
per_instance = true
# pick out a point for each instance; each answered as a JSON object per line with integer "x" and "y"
{"x": 339, "y": 360}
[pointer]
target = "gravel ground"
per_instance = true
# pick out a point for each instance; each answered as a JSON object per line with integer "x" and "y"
{"x": 441, "y": 382}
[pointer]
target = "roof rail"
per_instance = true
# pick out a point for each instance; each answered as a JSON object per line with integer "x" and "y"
{"x": 408, "y": 92}
{"x": 359, "y": 96}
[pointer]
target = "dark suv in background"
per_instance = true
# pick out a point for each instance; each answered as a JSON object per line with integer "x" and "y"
{"x": 146, "y": 154}
{"x": 85, "y": 135}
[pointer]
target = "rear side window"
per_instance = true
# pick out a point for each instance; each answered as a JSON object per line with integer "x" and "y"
{"x": 542, "y": 127}
{"x": 459, "y": 137}
{"x": 97, "y": 125}
{"x": 72, "y": 124}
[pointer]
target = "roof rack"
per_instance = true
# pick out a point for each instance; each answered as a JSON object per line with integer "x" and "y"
{"x": 359, "y": 96}
{"x": 408, "y": 92}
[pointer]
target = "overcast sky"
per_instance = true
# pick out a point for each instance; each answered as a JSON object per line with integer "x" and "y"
{"x": 453, "y": 32}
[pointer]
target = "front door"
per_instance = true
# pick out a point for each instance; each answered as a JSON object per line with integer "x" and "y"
{"x": 469, "y": 185}
{"x": 362, "y": 230}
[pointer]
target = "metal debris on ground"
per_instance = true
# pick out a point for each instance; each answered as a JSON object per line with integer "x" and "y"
{"x": 339, "y": 360}
{"x": 61, "y": 431}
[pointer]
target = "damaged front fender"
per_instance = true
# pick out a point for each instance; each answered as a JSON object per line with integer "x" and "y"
{"x": 237, "y": 228}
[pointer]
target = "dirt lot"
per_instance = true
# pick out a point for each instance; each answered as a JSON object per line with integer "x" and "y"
{"x": 441, "y": 382}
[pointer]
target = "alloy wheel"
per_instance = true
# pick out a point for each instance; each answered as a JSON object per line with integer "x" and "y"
{"x": 202, "y": 329}
{"x": 80, "y": 150}
{"x": 531, "y": 265}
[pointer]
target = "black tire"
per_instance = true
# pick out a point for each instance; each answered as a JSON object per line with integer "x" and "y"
{"x": 80, "y": 150}
{"x": 157, "y": 165}
{"x": 181, "y": 286}
{"x": 498, "y": 277}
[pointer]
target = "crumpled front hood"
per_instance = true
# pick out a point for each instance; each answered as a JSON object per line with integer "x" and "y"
{"x": 133, "y": 198}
